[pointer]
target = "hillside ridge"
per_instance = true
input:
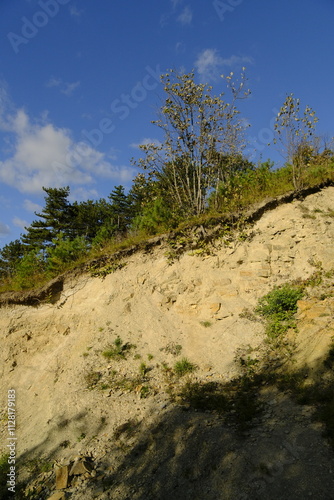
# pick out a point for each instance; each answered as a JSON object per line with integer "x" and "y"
{"x": 51, "y": 290}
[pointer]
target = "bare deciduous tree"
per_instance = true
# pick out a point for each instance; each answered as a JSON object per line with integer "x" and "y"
{"x": 295, "y": 133}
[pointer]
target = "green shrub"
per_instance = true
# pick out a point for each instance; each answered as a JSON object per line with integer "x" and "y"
{"x": 29, "y": 270}
{"x": 278, "y": 308}
{"x": 276, "y": 326}
{"x": 65, "y": 251}
{"x": 155, "y": 217}
{"x": 280, "y": 302}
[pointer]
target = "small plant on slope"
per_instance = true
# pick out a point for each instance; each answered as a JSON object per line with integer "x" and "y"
{"x": 184, "y": 366}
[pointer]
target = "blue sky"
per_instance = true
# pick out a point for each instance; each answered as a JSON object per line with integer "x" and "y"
{"x": 79, "y": 83}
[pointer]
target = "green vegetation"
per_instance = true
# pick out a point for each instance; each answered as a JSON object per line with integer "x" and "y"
{"x": 4, "y": 470}
{"x": 196, "y": 176}
{"x": 237, "y": 400}
{"x": 143, "y": 369}
{"x": 118, "y": 350}
{"x": 206, "y": 324}
{"x": 92, "y": 378}
{"x": 278, "y": 308}
{"x": 116, "y": 381}
{"x": 294, "y": 132}
{"x": 172, "y": 348}
{"x": 81, "y": 437}
{"x": 281, "y": 301}
{"x": 184, "y": 366}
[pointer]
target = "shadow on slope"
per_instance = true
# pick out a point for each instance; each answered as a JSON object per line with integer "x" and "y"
{"x": 259, "y": 437}
{"x": 194, "y": 451}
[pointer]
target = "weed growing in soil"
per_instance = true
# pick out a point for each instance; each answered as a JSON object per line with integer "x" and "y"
{"x": 172, "y": 348}
{"x": 206, "y": 324}
{"x": 118, "y": 350}
{"x": 184, "y": 366}
{"x": 92, "y": 378}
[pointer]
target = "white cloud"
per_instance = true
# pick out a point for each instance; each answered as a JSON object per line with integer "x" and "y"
{"x": 44, "y": 155}
{"x": 186, "y": 16}
{"x": 20, "y": 222}
{"x": 145, "y": 142}
{"x": 237, "y": 61}
{"x": 66, "y": 88}
{"x": 30, "y": 206}
{"x": 4, "y": 229}
{"x": 81, "y": 194}
{"x": 209, "y": 63}
{"x": 124, "y": 174}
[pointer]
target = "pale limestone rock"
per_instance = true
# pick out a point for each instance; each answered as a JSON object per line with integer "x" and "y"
{"x": 58, "y": 495}
{"x": 62, "y": 477}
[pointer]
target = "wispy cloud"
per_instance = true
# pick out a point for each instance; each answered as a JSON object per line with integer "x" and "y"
{"x": 66, "y": 88}
{"x": 180, "y": 48}
{"x": 175, "y": 3}
{"x": 183, "y": 16}
{"x": 69, "y": 88}
{"x": 20, "y": 222}
{"x": 30, "y": 206}
{"x": 186, "y": 16}
{"x": 145, "y": 142}
{"x": 210, "y": 64}
{"x": 82, "y": 193}
{"x": 234, "y": 61}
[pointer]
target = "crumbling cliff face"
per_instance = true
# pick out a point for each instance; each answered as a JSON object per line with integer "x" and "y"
{"x": 73, "y": 399}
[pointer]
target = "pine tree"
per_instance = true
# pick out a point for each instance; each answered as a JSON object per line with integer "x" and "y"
{"x": 90, "y": 217}
{"x": 120, "y": 210}
{"x": 10, "y": 255}
{"x": 55, "y": 217}
{"x": 143, "y": 192}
